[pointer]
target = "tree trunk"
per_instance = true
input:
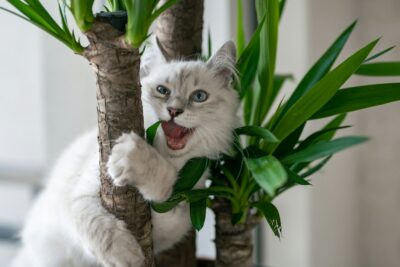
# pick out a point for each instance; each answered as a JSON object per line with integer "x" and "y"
{"x": 119, "y": 110}
{"x": 234, "y": 243}
{"x": 179, "y": 31}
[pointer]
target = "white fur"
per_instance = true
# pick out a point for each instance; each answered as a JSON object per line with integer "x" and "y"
{"x": 68, "y": 227}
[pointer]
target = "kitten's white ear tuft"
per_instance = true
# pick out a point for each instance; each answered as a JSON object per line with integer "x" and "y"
{"x": 224, "y": 60}
{"x": 154, "y": 54}
{"x": 163, "y": 52}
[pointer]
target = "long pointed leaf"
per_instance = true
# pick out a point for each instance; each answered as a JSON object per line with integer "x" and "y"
{"x": 380, "y": 69}
{"x": 360, "y": 97}
{"x": 319, "y": 95}
{"x": 323, "y": 149}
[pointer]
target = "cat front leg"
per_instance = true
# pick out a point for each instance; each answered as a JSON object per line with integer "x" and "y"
{"x": 134, "y": 162}
{"x": 103, "y": 235}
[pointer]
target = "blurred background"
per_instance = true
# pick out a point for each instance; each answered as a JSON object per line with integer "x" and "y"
{"x": 350, "y": 216}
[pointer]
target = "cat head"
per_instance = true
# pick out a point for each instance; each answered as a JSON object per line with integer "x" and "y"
{"x": 195, "y": 102}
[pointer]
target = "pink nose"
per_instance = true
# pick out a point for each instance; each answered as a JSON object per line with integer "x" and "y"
{"x": 174, "y": 112}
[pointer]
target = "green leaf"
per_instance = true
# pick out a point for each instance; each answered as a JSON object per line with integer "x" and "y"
{"x": 295, "y": 178}
{"x": 323, "y": 149}
{"x": 216, "y": 191}
{"x": 167, "y": 205}
{"x": 162, "y": 8}
{"x": 379, "y": 54}
{"x": 190, "y": 174}
{"x": 321, "y": 135}
{"x": 209, "y": 44}
{"x": 319, "y": 95}
{"x": 257, "y": 132}
{"x": 380, "y": 69}
{"x": 83, "y": 13}
{"x": 320, "y": 68}
{"x": 360, "y": 97}
{"x": 290, "y": 142}
{"x": 316, "y": 168}
{"x": 268, "y": 173}
{"x": 282, "y": 4}
{"x": 198, "y": 213}
{"x": 151, "y": 132}
{"x": 248, "y": 61}
{"x": 267, "y": 60}
{"x": 271, "y": 214}
{"x": 240, "y": 37}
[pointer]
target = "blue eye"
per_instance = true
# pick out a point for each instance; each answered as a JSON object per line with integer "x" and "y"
{"x": 199, "y": 96}
{"x": 163, "y": 90}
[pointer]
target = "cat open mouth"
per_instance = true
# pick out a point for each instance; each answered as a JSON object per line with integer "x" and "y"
{"x": 177, "y": 136}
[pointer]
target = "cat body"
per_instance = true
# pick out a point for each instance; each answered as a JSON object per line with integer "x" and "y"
{"x": 68, "y": 226}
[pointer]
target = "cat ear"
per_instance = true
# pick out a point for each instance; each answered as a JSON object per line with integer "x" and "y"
{"x": 163, "y": 52}
{"x": 223, "y": 62}
{"x": 154, "y": 54}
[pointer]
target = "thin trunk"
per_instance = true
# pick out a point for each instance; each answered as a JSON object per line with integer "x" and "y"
{"x": 179, "y": 31}
{"x": 119, "y": 110}
{"x": 234, "y": 243}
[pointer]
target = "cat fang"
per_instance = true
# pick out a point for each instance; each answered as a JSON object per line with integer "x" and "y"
{"x": 176, "y": 135}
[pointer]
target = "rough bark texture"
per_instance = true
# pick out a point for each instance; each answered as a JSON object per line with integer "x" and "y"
{"x": 234, "y": 243}
{"x": 119, "y": 110}
{"x": 179, "y": 31}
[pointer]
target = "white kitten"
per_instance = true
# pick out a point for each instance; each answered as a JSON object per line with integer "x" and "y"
{"x": 68, "y": 226}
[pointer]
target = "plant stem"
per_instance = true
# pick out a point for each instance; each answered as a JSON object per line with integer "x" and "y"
{"x": 180, "y": 29}
{"x": 234, "y": 243}
{"x": 119, "y": 110}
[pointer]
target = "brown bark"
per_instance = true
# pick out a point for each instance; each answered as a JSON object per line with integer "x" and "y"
{"x": 234, "y": 243}
{"x": 179, "y": 31}
{"x": 119, "y": 110}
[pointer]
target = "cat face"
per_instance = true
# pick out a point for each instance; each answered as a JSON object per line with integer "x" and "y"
{"x": 195, "y": 102}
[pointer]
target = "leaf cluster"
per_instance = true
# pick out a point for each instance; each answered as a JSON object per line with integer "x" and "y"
{"x": 270, "y": 154}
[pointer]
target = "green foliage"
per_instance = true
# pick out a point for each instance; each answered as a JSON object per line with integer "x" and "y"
{"x": 140, "y": 16}
{"x": 34, "y": 12}
{"x": 271, "y": 156}
{"x": 83, "y": 14}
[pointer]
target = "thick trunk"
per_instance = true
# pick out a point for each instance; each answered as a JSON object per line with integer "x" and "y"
{"x": 179, "y": 31}
{"x": 119, "y": 110}
{"x": 234, "y": 243}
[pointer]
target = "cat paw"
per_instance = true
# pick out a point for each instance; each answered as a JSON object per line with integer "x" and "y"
{"x": 121, "y": 160}
{"x": 124, "y": 251}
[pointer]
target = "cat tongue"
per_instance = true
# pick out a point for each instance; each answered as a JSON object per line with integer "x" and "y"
{"x": 173, "y": 130}
{"x": 177, "y": 136}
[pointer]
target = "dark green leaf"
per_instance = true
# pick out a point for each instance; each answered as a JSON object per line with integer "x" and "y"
{"x": 271, "y": 214}
{"x": 360, "y": 97}
{"x": 323, "y": 149}
{"x": 237, "y": 217}
{"x": 190, "y": 174}
{"x": 321, "y": 135}
{"x": 379, "y": 54}
{"x": 316, "y": 168}
{"x": 198, "y": 213}
{"x": 380, "y": 69}
{"x": 318, "y": 95}
{"x": 248, "y": 61}
{"x": 240, "y": 37}
{"x": 289, "y": 143}
{"x": 168, "y": 205}
{"x": 295, "y": 178}
{"x": 268, "y": 48}
{"x": 151, "y": 132}
{"x": 257, "y": 132}
{"x": 320, "y": 68}
{"x": 268, "y": 173}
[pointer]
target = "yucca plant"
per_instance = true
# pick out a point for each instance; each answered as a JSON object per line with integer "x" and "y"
{"x": 114, "y": 40}
{"x": 270, "y": 154}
